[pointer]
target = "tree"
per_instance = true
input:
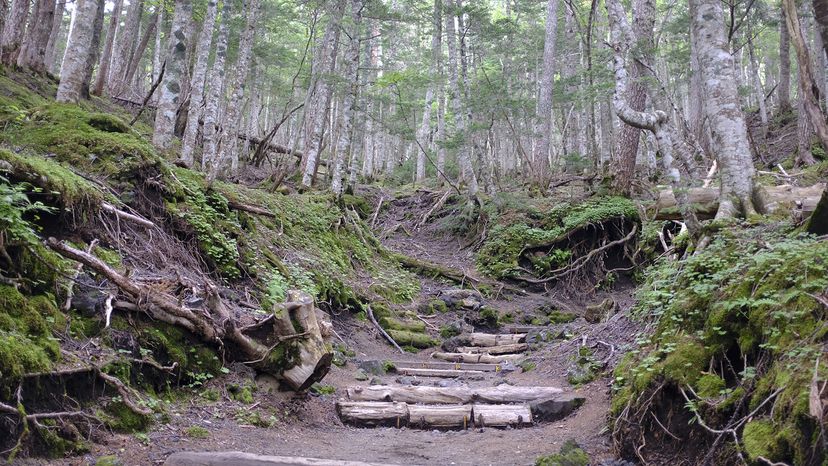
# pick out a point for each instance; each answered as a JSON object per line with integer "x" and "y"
{"x": 212, "y": 103}
{"x": 784, "y": 91}
{"x": 721, "y": 105}
{"x": 125, "y": 46}
{"x": 78, "y": 49}
{"x": 13, "y": 31}
{"x": 196, "y": 109}
{"x": 543, "y": 117}
{"x": 170, "y": 98}
{"x": 33, "y": 55}
{"x": 106, "y": 57}
{"x": 57, "y": 24}
{"x": 434, "y": 75}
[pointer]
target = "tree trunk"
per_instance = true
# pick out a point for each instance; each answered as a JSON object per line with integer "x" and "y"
{"x": 138, "y": 53}
{"x": 626, "y": 147}
{"x": 170, "y": 97}
{"x": 234, "y": 106}
{"x": 212, "y": 104}
{"x": 433, "y": 73}
{"x": 14, "y": 30}
{"x": 821, "y": 16}
{"x": 125, "y": 47}
{"x": 451, "y": 395}
{"x": 78, "y": 49}
{"x": 54, "y": 37}
{"x": 809, "y": 88}
{"x": 205, "y": 40}
{"x": 97, "y": 29}
{"x": 543, "y": 111}
{"x": 721, "y": 102}
{"x": 343, "y": 145}
{"x": 758, "y": 89}
{"x": 33, "y": 55}
{"x": 106, "y": 57}
{"x": 784, "y": 86}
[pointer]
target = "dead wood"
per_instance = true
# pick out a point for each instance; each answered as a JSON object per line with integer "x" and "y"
{"x": 382, "y": 330}
{"x": 251, "y": 209}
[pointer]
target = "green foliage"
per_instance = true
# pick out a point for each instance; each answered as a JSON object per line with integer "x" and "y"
{"x": 448, "y": 331}
{"x": 570, "y": 455}
{"x": 197, "y": 432}
{"x": 26, "y": 342}
{"x": 121, "y": 418}
{"x": 751, "y": 296}
{"x": 241, "y": 393}
{"x": 322, "y": 389}
{"x": 507, "y": 242}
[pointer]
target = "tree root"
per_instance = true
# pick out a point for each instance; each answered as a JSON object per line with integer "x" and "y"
{"x": 382, "y": 330}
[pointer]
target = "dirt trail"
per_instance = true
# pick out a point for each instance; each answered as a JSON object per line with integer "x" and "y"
{"x": 308, "y": 425}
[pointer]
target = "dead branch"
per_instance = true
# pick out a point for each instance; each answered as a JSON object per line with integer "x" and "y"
{"x": 376, "y": 212}
{"x": 149, "y": 94}
{"x": 125, "y": 392}
{"x": 436, "y": 207}
{"x": 251, "y": 209}
{"x": 381, "y": 330}
{"x": 107, "y": 207}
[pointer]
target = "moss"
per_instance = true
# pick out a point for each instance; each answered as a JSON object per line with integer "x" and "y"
{"x": 110, "y": 460}
{"x": 559, "y": 317}
{"x": 196, "y": 432}
{"x": 211, "y": 394}
{"x": 26, "y": 324}
{"x": 321, "y": 389}
{"x": 241, "y": 393}
{"x": 709, "y": 386}
{"x": 389, "y": 323}
{"x": 489, "y": 317}
{"x": 448, "y": 331}
{"x": 57, "y": 446}
{"x": 171, "y": 344}
{"x": 358, "y": 203}
{"x": 570, "y": 455}
{"x": 121, "y": 418}
{"x": 438, "y": 306}
{"x": 417, "y": 340}
{"x": 758, "y": 437}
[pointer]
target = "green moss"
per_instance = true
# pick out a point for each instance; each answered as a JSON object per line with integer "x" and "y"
{"x": 417, "y": 340}
{"x": 110, "y": 460}
{"x": 321, "y": 389}
{"x": 709, "y": 386}
{"x": 560, "y": 317}
{"x": 26, "y": 324}
{"x": 241, "y": 393}
{"x": 489, "y": 317}
{"x": 438, "y": 306}
{"x": 121, "y": 418}
{"x": 389, "y": 323}
{"x": 57, "y": 446}
{"x": 758, "y": 437}
{"x": 197, "y": 432}
{"x": 570, "y": 455}
{"x": 448, "y": 331}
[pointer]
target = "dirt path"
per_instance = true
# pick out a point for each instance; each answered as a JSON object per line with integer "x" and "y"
{"x": 308, "y": 426}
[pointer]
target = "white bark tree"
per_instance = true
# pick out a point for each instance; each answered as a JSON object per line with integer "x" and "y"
{"x": 54, "y": 36}
{"x": 125, "y": 45}
{"x": 543, "y": 111}
{"x": 78, "y": 50}
{"x": 434, "y": 76}
{"x": 106, "y": 57}
{"x": 169, "y": 98}
{"x": 33, "y": 55}
{"x": 14, "y": 29}
{"x": 212, "y": 104}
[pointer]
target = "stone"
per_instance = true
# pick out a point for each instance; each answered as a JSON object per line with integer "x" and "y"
{"x": 597, "y": 313}
{"x": 360, "y": 375}
{"x": 557, "y": 407}
{"x": 372, "y": 366}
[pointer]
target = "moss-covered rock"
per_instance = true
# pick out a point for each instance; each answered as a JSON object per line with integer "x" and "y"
{"x": 570, "y": 455}
{"x": 415, "y": 339}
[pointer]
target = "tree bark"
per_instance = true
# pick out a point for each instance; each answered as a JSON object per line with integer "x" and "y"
{"x": 451, "y": 395}
{"x": 78, "y": 49}
{"x": 212, "y": 104}
{"x": 205, "y": 40}
{"x": 721, "y": 102}
{"x": 54, "y": 37}
{"x": 169, "y": 99}
{"x": 343, "y": 145}
{"x": 14, "y": 30}
{"x": 821, "y": 17}
{"x": 33, "y": 55}
{"x": 543, "y": 110}
{"x": 433, "y": 73}
{"x": 758, "y": 89}
{"x": 784, "y": 86}
{"x": 125, "y": 48}
{"x": 92, "y": 59}
{"x": 106, "y": 57}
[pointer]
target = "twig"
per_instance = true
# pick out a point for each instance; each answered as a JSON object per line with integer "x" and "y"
{"x": 150, "y": 93}
{"x": 381, "y": 330}
{"x": 377, "y": 211}
{"x": 437, "y": 205}
{"x": 107, "y": 207}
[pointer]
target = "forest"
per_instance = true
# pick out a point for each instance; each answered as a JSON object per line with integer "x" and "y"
{"x": 379, "y": 232}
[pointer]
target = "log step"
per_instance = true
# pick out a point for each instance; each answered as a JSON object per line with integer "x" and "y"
{"x": 476, "y": 357}
{"x": 495, "y": 350}
{"x": 459, "y": 366}
{"x": 451, "y": 395}
{"x": 437, "y": 372}
{"x": 372, "y": 414}
{"x": 490, "y": 339}
{"x": 523, "y": 328}
{"x": 237, "y": 458}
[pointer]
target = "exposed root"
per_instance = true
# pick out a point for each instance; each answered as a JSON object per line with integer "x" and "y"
{"x": 381, "y": 330}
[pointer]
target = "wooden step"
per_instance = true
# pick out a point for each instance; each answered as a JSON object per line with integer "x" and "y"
{"x": 437, "y": 372}
{"x": 460, "y": 366}
{"x": 490, "y": 339}
{"x": 451, "y": 395}
{"x": 476, "y": 357}
{"x": 523, "y": 328}
{"x": 495, "y": 350}
{"x": 237, "y": 458}
{"x": 461, "y": 416}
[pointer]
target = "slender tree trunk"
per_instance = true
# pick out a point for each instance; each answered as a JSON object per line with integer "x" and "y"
{"x": 234, "y": 106}
{"x": 727, "y": 123}
{"x": 821, "y": 17}
{"x": 96, "y": 46}
{"x": 212, "y": 104}
{"x": 170, "y": 90}
{"x": 784, "y": 88}
{"x": 626, "y": 146}
{"x": 125, "y": 48}
{"x": 14, "y": 30}
{"x": 205, "y": 40}
{"x": 106, "y": 57}
{"x": 138, "y": 53}
{"x": 460, "y": 114}
{"x": 543, "y": 111}
{"x": 54, "y": 37}
{"x": 368, "y": 162}
{"x": 157, "y": 52}
{"x": 757, "y": 81}
{"x": 436, "y": 56}
{"x": 343, "y": 145}
{"x": 4, "y": 12}
{"x": 78, "y": 49}
{"x": 33, "y": 55}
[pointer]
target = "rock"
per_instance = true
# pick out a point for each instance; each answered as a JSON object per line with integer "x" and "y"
{"x": 267, "y": 383}
{"x": 372, "y": 366}
{"x": 360, "y": 375}
{"x": 468, "y": 299}
{"x": 469, "y": 303}
{"x": 450, "y": 345}
{"x": 558, "y": 407}
{"x": 375, "y": 381}
{"x": 405, "y": 380}
{"x": 446, "y": 383}
{"x": 597, "y": 313}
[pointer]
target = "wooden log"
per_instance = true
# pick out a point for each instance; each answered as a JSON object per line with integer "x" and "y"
{"x": 451, "y": 395}
{"x": 475, "y": 357}
{"x": 511, "y": 394}
{"x": 411, "y": 394}
{"x": 314, "y": 357}
{"x": 372, "y": 414}
{"x": 437, "y": 372}
{"x": 440, "y": 416}
{"x": 447, "y": 365}
{"x": 501, "y": 415}
{"x": 491, "y": 339}
{"x": 237, "y": 458}
{"x": 495, "y": 350}
{"x": 523, "y": 328}
{"x": 771, "y": 199}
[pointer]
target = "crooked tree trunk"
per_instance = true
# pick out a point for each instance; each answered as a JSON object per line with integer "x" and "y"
{"x": 175, "y": 69}
{"x": 33, "y": 55}
{"x": 78, "y": 49}
{"x": 14, "y": 30}
{"x": 205, "y": 40}
{"x": 721, "y": 104}
{"x": 771, "y": 199}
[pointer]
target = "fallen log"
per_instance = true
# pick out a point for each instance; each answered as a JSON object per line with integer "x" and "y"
{"x": 489, "y": 339}
{"x": 437, "y": 372}
{"x": 447, "y": 365}
{"x": 107, "y": 207}
{"x": 237, "y": 458}
{"x": 475, "y": 357}
{"x": 451, "y": 395}
{"x": 495, "y": 350}
{"x": 523, "y": 328}
{"x": 501, "y": 415}
{"x": 250, "y": 209}
{"x": 441, "y": 416}
{"x": 215, "y": 325}
{"x": 373, "y": 414}
{"x": 771, "y": 199}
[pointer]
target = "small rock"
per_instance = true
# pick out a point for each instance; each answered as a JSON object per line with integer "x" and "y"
{"x": 360, "y": 375}
{"x": 375, "y": 381}
{"x": 405, "y": 380}
{"x": 372, "y": 366}
{"x": 555, "y": 408}
{"x": 597, "y": 313}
